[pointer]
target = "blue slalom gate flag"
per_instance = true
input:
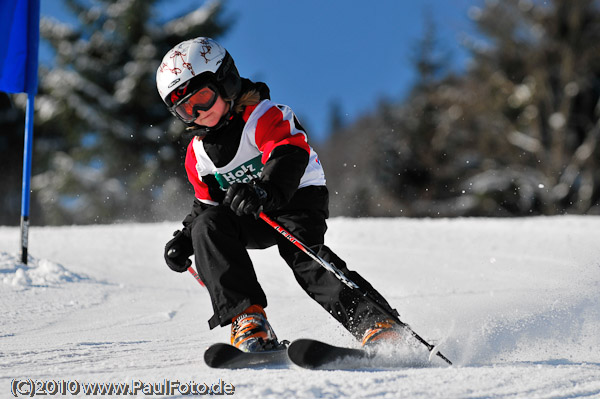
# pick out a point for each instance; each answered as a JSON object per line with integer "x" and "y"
{"x": 19, "y": 43}
{"x": 20, "y": 33}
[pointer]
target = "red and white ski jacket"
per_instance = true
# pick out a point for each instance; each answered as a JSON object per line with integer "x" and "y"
{"x": 267, "y": 126}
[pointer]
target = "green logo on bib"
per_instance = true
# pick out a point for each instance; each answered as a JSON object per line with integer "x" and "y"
{"x": 242, "y": 174}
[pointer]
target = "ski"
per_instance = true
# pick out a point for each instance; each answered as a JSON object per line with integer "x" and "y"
{"x": 314, "y": 354}
{"x": 227, "y": 356}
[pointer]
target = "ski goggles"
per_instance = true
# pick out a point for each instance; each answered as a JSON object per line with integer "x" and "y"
{"x": 188, "y": 106}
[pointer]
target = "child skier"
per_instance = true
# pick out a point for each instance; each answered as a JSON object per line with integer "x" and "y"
{"x": 249, "y": 155}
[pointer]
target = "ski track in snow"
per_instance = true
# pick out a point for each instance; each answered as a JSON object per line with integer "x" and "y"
{"x": 515, "y": 303}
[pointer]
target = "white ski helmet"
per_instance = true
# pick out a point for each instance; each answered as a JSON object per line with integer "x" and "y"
{"x": 193, "y": 63}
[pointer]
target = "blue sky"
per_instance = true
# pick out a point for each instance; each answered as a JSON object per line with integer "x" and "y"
{"x": 315, "y": 52}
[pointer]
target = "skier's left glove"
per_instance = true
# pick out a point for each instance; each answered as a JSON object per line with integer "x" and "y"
{"x": 247, "y": 198}
{"x": 177, "y": 252}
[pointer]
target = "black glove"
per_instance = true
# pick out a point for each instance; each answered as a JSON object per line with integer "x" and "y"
{"x": 246, "y": 198}
{"x": 178, "y": 251}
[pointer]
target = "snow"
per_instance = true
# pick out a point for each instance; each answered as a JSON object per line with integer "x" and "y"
{"x": 513, "y": 302}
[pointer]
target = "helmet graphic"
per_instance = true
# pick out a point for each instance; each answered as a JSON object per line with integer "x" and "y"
{"x": 190, "y": 65}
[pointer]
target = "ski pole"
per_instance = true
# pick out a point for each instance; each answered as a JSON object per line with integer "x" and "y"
{"x": 342, "y": 277}
{"x": 198, "y": 279}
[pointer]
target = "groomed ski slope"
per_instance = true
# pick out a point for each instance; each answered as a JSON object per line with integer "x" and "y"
{"x": 515, "y": 303}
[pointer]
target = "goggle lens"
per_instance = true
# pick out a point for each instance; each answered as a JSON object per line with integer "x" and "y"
{"x": 201, "y": 100}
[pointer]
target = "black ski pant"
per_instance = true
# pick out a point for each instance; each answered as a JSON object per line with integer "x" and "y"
{"x": 221, "y": 240}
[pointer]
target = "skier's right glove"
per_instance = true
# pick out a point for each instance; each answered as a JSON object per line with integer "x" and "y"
{"x": 247, "y": 198}
{"x": 178, "y": 251}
